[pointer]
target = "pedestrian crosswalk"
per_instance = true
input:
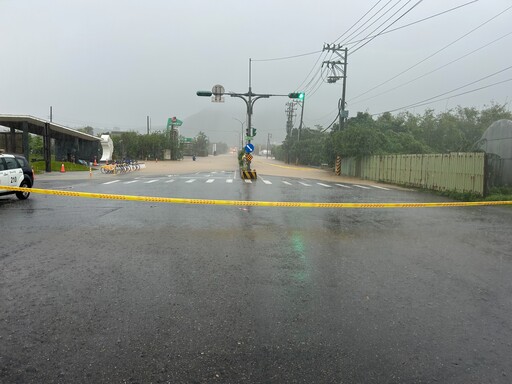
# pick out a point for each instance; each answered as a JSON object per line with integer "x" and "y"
{"x": 208, "y": 179}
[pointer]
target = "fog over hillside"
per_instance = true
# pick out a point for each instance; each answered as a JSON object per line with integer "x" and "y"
{"x": 220, "y": 124}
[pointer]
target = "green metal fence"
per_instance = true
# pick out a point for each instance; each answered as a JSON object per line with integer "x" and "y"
{"x": 460, "y": 172}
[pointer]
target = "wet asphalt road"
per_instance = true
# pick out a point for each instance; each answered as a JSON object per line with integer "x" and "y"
{"x": 106, "y": 291}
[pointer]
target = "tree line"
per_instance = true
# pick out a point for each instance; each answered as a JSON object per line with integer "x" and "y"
{"x": 133, "y": 145}
{"x": 455, "y": 130}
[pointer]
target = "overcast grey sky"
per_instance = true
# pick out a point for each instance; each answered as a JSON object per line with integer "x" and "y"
{"x": 112, "y": 63}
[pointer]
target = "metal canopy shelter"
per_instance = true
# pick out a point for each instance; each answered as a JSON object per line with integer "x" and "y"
{"x": 81, "y": 144}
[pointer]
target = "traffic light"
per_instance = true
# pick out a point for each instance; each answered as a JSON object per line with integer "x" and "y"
{"x": 296, "y": 95}
{"x": 248, "y": 131}
{"x": 254, "y": 132}
{"x": 203, "y": 93}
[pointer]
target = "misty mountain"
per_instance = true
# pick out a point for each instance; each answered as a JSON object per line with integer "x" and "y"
{"x": 220, "y": 125}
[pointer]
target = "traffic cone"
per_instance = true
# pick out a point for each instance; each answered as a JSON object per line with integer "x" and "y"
{"x": 95, "y": 163}
{"x": 62, "y": 169}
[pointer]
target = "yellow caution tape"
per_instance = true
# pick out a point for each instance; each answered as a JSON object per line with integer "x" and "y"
{"x": 283, "y": 204}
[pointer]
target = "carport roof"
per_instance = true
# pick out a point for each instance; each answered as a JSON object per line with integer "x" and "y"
{"x": 36, "y": 126}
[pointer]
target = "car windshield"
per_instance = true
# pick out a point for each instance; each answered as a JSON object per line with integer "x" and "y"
{"x": 255, "y": 191}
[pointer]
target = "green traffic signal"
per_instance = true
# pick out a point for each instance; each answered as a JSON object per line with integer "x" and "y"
{"x": 203, "y": 93}
{"x": 254, "y": 132}
{"x": 296, "y": 95}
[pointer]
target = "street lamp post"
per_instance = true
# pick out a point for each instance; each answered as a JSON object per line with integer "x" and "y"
{"x": 242, "y": 136}
{"x": 249, "y": 98}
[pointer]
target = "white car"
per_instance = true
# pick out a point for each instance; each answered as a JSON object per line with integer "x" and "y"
{"x": 13, "y": 175}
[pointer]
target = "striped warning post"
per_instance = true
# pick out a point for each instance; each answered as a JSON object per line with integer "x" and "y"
{"x": 338, "y": 166}
{"x": 248, "y": 174}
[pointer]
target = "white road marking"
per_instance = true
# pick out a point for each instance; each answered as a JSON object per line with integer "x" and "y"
{"x": 361, "y": 186}
{"x": 344, "y": 186}
{"x": 305, "y": 184}
{"x": 287, "y": 183}
{"x": 210, "y": 181}
{"x": 130, "y": 182}
{"x": 190, "y": 181}
{"x": 265, "y": 181}
{"x": 325, "y": 185}
{"x": 248, "y": 181}
{"x": 111, "y": 182}
{"x": 229, "y": 181}
{"x": 379, "y": 187}
{"x": 151, "y": 181}
{"x": 170, "y": 181}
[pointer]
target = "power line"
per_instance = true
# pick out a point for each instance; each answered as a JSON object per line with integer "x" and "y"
{"x": 314, "y": 76}
{"x": 325, "y": 54}
{"x": 288, "y": 57}
{"x": 334, "y": 121}
{"x": 388, "y": 31}
{"x": 413, "y": 23}
{"x": 353, "y": 50}
{"x": 431, "y": 100}
{"x": 459, "y": 94}
{"x": 356, "y": 32}
{"x": 435, "y": 53}
{"x": 434, "y": 70}
{"x": 361, "y": 18}
{"x": 318, "y": 85}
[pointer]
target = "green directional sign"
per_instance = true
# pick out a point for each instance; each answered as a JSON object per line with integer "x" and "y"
{"x": 187, "y": 139}
{"x": 173, "y": 122}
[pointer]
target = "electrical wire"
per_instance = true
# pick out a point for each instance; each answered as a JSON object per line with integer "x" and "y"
{"x": 361, "y": 18}
{"x": 318, "y": 71}
{"x": 353, "y": 50}
{"x": 413, "y": 23}
{"x": 433, "y": 54}
{"x": 288, "y": 57}
{"x": 431, "y": 100}
{"x": 401, "y": 27}
{"x": 333, "y": 122}
{"x": 449, "y": 97}
{"x": 356, "y": 32}
{"x": 309, "y": 74}
{"x": 434, "y": 70}
{"x": 321, "y": 81}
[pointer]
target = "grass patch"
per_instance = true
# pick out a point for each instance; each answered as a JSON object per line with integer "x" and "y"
{"x": 40, "y": 167}
{"x": 500, "y": 194}
{"x": 495, "y": 194}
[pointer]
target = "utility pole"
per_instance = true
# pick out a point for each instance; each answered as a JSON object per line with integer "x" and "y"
{"x": 268, "y": 142}
{"x": 147, "y": 123}
{"x": 338, "y": 70}
{"x": 51, "y": 113}
{"x": 301, "y": 118}
{"x": 242, "y": 135}
{"x": 290, "y": 109}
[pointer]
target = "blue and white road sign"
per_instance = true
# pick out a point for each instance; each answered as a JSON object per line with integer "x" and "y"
{"x": 249, "y": 148}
